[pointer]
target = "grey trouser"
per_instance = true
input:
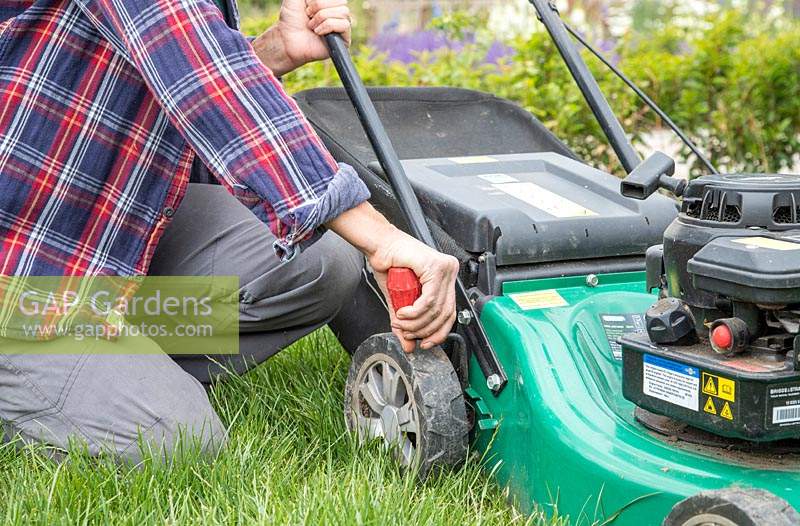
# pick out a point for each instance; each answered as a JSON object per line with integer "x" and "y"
{"x": 114, "y": 403}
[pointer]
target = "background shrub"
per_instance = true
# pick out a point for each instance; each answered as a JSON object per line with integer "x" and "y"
{"x": 731, "y": 81}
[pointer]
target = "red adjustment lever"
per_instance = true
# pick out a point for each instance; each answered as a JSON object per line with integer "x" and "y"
{"x": 404, "y": 287}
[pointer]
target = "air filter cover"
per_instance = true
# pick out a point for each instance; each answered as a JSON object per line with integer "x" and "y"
{"x": 770, "y": 201}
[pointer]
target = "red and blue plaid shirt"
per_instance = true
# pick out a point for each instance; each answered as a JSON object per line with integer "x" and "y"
{"x": 103, "y": 105}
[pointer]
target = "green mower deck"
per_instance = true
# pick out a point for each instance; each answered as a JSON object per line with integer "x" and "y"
{"x": 566, "y": 436}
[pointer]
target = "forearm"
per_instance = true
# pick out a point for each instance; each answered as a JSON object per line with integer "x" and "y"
{"x": 270, "y": 49}
{"x": 363, "y": 227}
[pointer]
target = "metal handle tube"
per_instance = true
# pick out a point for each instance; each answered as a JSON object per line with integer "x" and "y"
{"x": 647, "y": 100}
{"x": 612, "y": 129}
{"x": 380, "y": 141}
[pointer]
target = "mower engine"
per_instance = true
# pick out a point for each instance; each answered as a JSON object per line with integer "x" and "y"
{"x": 722, "y": 347}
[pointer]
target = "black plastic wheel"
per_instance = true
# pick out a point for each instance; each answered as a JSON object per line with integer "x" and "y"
{"x": 413, "y": 402}
{"x": 733, "y": 507}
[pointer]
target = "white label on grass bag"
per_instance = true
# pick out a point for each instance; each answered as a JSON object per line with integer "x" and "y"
{"x": 545, "y": 200}
{"x": 473, "y": 159}
{"x": 672, "y": 382}
{"x": 498, "y": 178}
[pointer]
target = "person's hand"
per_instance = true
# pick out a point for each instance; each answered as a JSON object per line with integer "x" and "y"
{"x": 302, "y": 24}
{"x": 297, "y": 37}
{"x": 431, "y": 317}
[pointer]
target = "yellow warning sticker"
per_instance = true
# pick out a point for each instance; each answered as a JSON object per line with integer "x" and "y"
{"x": 710, "y": 407}
{"x": 727, "y": 389}
{"x": 726, "y": 411}
{"x": 719, "y": 386}
{"x": 709, "y": 387}
{"x": 767, "y": 242}
{"x": 540, "y": 299}
{"x": 473, "y": 159}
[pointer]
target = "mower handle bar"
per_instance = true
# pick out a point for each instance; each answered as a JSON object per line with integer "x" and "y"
{"x": 611, "y": 126}
{"x": 644, "y": 177}
{"x": 378, "y": 138}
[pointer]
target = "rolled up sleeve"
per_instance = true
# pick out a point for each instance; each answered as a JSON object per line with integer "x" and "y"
{"x": 233, "y": 112}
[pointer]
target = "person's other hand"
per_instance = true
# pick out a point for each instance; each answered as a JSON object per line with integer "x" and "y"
{"x": 302, "y": 24}
{"x": 431, "y": 317}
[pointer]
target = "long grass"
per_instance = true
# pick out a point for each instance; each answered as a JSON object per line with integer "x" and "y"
{"x": 289, "y": 460}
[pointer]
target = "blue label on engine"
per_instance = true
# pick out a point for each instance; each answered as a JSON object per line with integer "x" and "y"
{"x": 673, "y": 366}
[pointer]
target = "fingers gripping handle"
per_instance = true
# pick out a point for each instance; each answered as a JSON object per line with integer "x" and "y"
{"x": 404, "y": 287}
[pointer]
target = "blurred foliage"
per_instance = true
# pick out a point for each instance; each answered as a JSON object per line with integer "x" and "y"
{"x": 256, "y": 20}
{"x": 259, "y": 4}
{"x": 730, "y": 81}
{"x": 651, "y": 15}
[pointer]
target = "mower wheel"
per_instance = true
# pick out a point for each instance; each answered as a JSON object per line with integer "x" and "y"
{"x": 733, "y": 507}
{"x": 413, "y": 402}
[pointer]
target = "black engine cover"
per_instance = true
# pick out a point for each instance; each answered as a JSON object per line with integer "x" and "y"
{"x": 733, "y": 254}
{"x": 736, "y": 236}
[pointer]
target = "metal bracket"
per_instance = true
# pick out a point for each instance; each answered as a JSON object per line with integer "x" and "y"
{"x": 478, "y": 341}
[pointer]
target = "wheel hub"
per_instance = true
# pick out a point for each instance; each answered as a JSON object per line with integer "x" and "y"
{"x": 384, "y": 409}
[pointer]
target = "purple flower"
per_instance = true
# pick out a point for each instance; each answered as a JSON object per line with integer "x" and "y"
{"x": 606, "y": 45}
{"x": 404, "y": 47}
{"x": 497, "y": 52}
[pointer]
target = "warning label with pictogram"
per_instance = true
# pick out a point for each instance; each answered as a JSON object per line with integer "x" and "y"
{"x": 709, "y": 387}
{"x": 719, "y": 394}
{"x": 719, "y": 386}
{"x": 726, "y": 411}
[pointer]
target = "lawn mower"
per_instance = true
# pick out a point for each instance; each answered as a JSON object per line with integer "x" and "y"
{"x": 619, "y": 354}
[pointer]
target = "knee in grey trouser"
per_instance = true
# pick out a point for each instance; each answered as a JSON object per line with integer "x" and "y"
{"x": 108, "y": 399}
{"x": 64, "y": 392}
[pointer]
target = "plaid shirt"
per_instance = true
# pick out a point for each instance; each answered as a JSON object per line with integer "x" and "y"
{"x": 103, "y": 104}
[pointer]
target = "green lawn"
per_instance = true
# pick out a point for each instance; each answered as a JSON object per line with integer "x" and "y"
{"x": 290, "y": 460}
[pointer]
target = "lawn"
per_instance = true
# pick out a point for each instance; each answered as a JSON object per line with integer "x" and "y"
{"x": 289, "y": 460}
